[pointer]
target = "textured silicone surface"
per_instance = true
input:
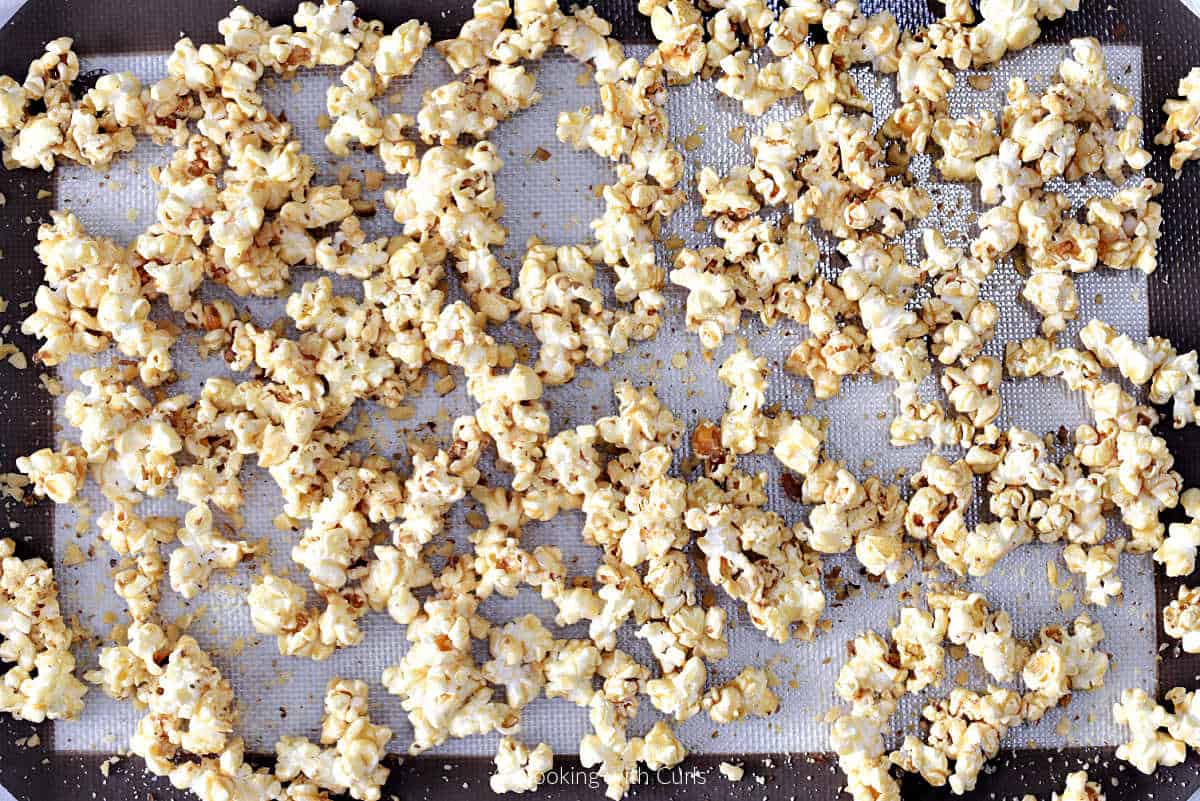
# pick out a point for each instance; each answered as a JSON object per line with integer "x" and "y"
{"x": 1158, "y": 37}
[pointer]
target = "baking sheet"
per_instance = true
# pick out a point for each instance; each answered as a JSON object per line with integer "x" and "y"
{"x": 282, "y": 695}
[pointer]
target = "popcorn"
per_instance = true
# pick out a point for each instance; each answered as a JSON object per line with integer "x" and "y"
{"x": 1171, "y": 376}
{"x": 55, "y": 475}
{"x": 986, "y": 634}
{"x": 355, "y": 117}
{"x": 397, "y": 54}
{"x": 679, "y": 28}
{"x": 1098, "y": 565}
{"x": 965, "y": 727}
{"x": 1179, "y": 130}
{"x": 202, "y": 549}
{"x": 278, "y": 607}
{"x": 744, "y": 428}
{"x": 1181, "y": 619}
{"x": 334, "y": 27}
{"x": 1128, "y": 226}
{"x": 799, "y": 444}
{"x": 873, "y": 685}
{"x": 761, "y": 268}
{"x": 679, "y": 694}
{"x": 1149, "y": 745}
{"x": 560, "y": 303}
{"x": 869, "y": 674}
{"x": 868, "y": 515}
{"x": 190, "y": 709}
{"x": 519, "y": 651}
{"x": 749, "y": 693}
{"x": 570, "y": 667}
{"x": 660, "y": 748}
{"x": 770, "y": 571}
{"x": 351, "y": 747}
{"x": 963, "y": 143}
{"x": 475, "y": 104}
{"x": 1178, "y": 551}
{"x": 918, "y": 638}
{"x": 1078, "y": 788}
{"x": 35, "y": 643}
{"x": 470, "y": 48}
{"x": 94, "y": 296}
{"x": 1065, "y": 661}
{"x": 443, "y": 690}
{"x": 519, "y": 768}
{"x": 1183, "y": 722}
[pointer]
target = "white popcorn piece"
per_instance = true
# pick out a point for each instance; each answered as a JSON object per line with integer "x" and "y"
{"x": 1098, "y": 565}
{"x": 1150, "y": 745}
{"x": 440, "y": 685}
{"x": 800, "y": 442}
{"x": 1183, "y": 724}
{"x": 350, "y": 751}
{"x": 986, "y": 634}
{"x": 748, "y": 693}
{"x": 1078, "y": 788}
{"x": 519, "y": 768}
{"x": 965, "y": 727}
{"x": 1181, "y": 619}
{"x": 918, "y": 637}
{"x": 55, "y": 475}
{"x": 39, "y": 680}
{"x": 1180, "y": 129}
{"x": 1178, "y": 551}
{"x": 1066, "y": 660}
{"x": 397, "y": 53}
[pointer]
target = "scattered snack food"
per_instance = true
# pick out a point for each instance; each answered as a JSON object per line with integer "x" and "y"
{"x": 679, "y": 517}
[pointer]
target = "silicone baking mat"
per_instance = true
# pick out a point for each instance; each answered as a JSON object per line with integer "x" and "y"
{"x": 553, "y": 198}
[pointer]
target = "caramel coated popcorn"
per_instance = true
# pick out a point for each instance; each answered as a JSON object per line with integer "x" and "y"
{"x": 816, "y": 232}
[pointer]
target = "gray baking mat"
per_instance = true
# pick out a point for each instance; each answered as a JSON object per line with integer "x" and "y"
{"x": 553, "y": 199}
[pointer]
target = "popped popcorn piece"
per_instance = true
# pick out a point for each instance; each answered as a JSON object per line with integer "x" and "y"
{"x": 918, "y": 637}
{"x": 986, "y": 634}
{"x": 441, "y": 687}
{"x": 1170, "y": 376}
{"x": 748, "y": 693}
{"x": 519, "y": 650}
{"x": 966, "y": 728}
{"x": 1078, "y": 788}
{"x": 1150, "y": 745}
{"x": 1064, "y": 661}
{"x": 661, "y": 749}
{"x": 1180, "y": 130}
{"x": 475, "y": 104}
{"x": 350, "y": 751}
{"x": 754, "y": 557}
{"x": 56, "y": 475}
{"x": 35, "y": 644}
{"x": 93, "y": 296}
{"x": 1098, "y": 566}
{"x": 1178, "y": 551}
{"x": 560, "y": 303}
{"x": 1181, "y": 619}
{"x": 519, "y": 768}
{"x": 800, "y": 442}
{"x": 867, "y": 514}
{"x": 869, "y": 674}
{"x": 1183, "y": 723}
{"x": 744, "y": 427}
{"x": 397, "y": 54}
